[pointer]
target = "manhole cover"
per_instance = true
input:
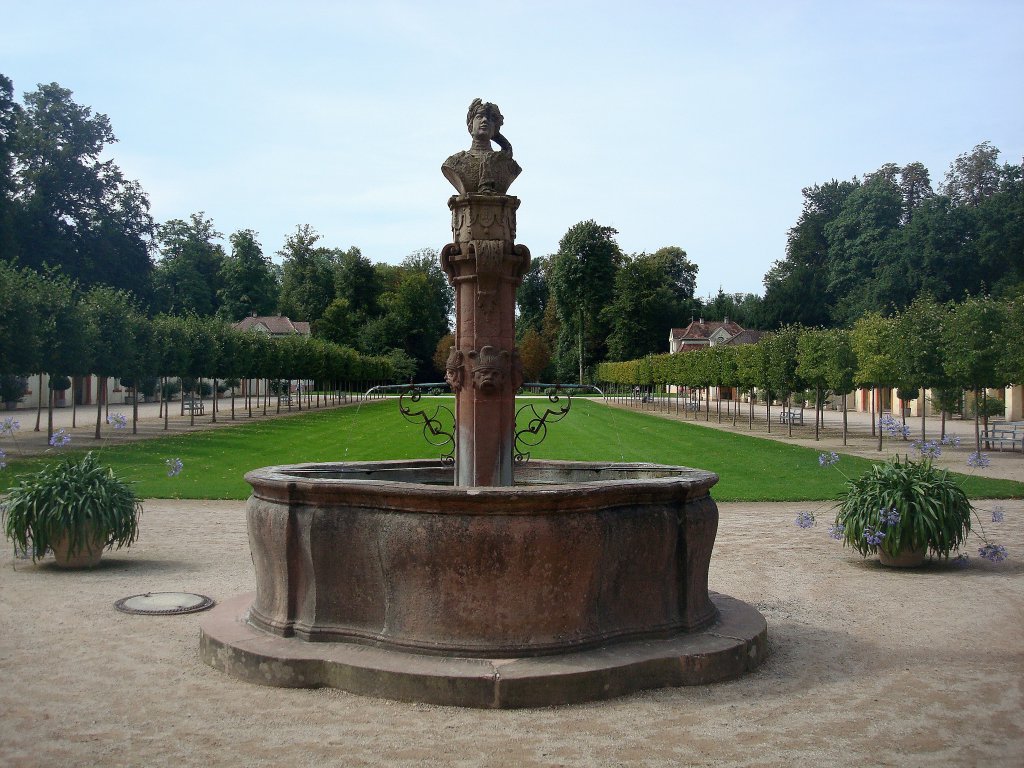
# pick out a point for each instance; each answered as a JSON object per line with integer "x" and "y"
{"x": 164, "y": 603}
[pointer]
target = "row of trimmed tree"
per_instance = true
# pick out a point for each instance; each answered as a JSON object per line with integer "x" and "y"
{"x": 49, "y": 325}
{"x": 944, "y": 349}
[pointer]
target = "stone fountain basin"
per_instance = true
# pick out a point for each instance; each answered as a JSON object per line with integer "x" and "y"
{"x": 390, "y": 554}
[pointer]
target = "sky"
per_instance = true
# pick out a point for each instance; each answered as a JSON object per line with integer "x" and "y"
{"x": 694, "y": 124}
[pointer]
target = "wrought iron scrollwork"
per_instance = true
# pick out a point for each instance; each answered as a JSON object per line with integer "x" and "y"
{"x": 434, "y": 431}
{"x": 536, "y": 429}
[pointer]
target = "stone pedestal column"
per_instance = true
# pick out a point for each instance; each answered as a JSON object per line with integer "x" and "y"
{"x": 485, "y": 266}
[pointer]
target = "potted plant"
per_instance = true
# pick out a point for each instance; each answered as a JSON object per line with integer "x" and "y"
{"x": 59, "y": 384}
{"x": 12, "y": 388}
{"x": 77, "y": 507}
{"x": 902, "y": 511}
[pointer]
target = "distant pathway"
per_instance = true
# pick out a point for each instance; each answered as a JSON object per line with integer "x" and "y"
{"x": 1008, "y": 465}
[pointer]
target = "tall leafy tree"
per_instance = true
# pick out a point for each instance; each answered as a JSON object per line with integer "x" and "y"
{"x": 533, "y": 297}
{"x": 188, "y": 276}
{"x": 307, "y": 282}
{"x": 582, "y": 283}
{"x": 76, "y": 212}
{"x": 357, "y": 283}
{"x": 651, "y": 293}
{"x": 797, "y": 288}
{"x": 248, "y": 283}
{"x": 865, "y": 268}
{"x": 973, "y": 176}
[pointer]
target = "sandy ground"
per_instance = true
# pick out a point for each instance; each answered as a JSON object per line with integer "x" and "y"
{"x": 866, "y": 666}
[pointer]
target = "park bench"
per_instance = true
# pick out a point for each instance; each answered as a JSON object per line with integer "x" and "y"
{"x": 791, "y": 417}
{"x": 1004, "y": 435}
{"x": 194, "y": 406}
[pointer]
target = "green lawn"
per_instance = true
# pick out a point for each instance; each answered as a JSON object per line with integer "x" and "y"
{"x": 751, "y": 469}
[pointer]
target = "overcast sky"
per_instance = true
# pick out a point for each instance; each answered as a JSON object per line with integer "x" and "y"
{"x": 677, "y": 123}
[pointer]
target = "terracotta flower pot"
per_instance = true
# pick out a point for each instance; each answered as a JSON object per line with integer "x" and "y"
{"x": 908, "y": 558}
{"x": 87, "y": 556}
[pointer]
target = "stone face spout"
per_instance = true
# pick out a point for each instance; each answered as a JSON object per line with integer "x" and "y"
{"x": 486, "y": 266}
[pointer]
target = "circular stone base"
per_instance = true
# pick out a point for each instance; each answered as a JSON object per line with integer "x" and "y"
{"x": 734, "y": 645}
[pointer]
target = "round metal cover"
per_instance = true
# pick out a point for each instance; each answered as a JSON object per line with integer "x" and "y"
{"x": 164, "y": 603}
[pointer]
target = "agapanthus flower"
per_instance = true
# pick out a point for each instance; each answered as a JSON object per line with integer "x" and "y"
{"x": 979, "y": 460}
{"x": 804, "y": 519}
{"x": 961, "y": 560}
{"x": 929, "y": 450}
{"x": 998, "y": 515}
{"x": 9, "y": 426}
{"x": 994, "y": 552}
{"x": 874, "y": 538}
{"x": 953, "y": 440}
{"x": 117, "y": 420}
{"x": 174, "y": 467}
{"x": 889, "y": 517}
{"x": 828, "y": 459}
{"x": 837, "y": 531}
{"x": 3, "y": 459}
{"x": 60, "y": 438}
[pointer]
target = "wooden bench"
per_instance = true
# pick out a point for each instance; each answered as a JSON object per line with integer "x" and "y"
{"x": 194, "y": 406}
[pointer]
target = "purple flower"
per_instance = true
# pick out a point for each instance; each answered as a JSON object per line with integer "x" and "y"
{"x": 837, "y": 531}
{"x": 929, "y": 450}
{"x": 60, "y": 438}
{"x": 873, "y": 537}
{"x": 117, "y": 420}
{"x": 828, "y": 459}
{"x": 3, "y": 456}
{"x": 998, "y": 515}
{"x": 953, "y": 440}
{"x": 994, "y": 552}
{"x": 980, "y": 460}
{"x": 961, "y": 560}
{"x": 174, "y": 467}
{"x": 804, "y": 519}
{"x": 9, "y": 426}
{"x": 889, "y": 518}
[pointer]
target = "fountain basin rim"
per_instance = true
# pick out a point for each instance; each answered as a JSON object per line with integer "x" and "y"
{"x": 424, "y": 485}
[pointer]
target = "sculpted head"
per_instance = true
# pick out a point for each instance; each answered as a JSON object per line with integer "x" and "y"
{"x": 483, "y": 120}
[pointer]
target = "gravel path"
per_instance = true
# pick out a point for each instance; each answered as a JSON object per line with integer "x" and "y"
{"x": 866, "y": 666}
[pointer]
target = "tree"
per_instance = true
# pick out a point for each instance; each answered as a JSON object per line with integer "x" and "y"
{"x": 307, "y": 282}
{"x": 919, "y": 346}
{"x": 874, "y": 342}
{"x": 973, "y": 176}
{"x": 10, "y": 115}
{"x": 357, "y": 282}
{"x": 973, "y": 351}
{"x": 533, "y": 296}
{"x": 111, "y": 317}
{"x": 535, "y": 355}
{"x": 187, "y": 278}
{"x": 75, "y": 212}
{"x": 248, "y": 286}
{"x": 582, "y": 282}
{"x": 865, "y": 268}
{"x": 796, "y": 288}
{"x": 647, "y": 300}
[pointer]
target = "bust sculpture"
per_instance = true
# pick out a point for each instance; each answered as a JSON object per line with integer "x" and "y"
{"x": 481, "y": 170}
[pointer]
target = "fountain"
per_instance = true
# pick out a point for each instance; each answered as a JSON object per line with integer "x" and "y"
{"x": 492, "y": 583}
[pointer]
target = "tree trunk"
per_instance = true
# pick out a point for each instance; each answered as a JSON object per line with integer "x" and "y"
{"x": 846, "y": 424}
{"x": 135, "y": 408}
{"x": 39, "y": 404}
{"x": 818, "y": 414}
{"x": 101, "y": 390}
{"x": 49, "y": 415}
{"x": 878, "y": 390}
{"x": 924, "y": 411}
{"x": 977, "y": 418}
